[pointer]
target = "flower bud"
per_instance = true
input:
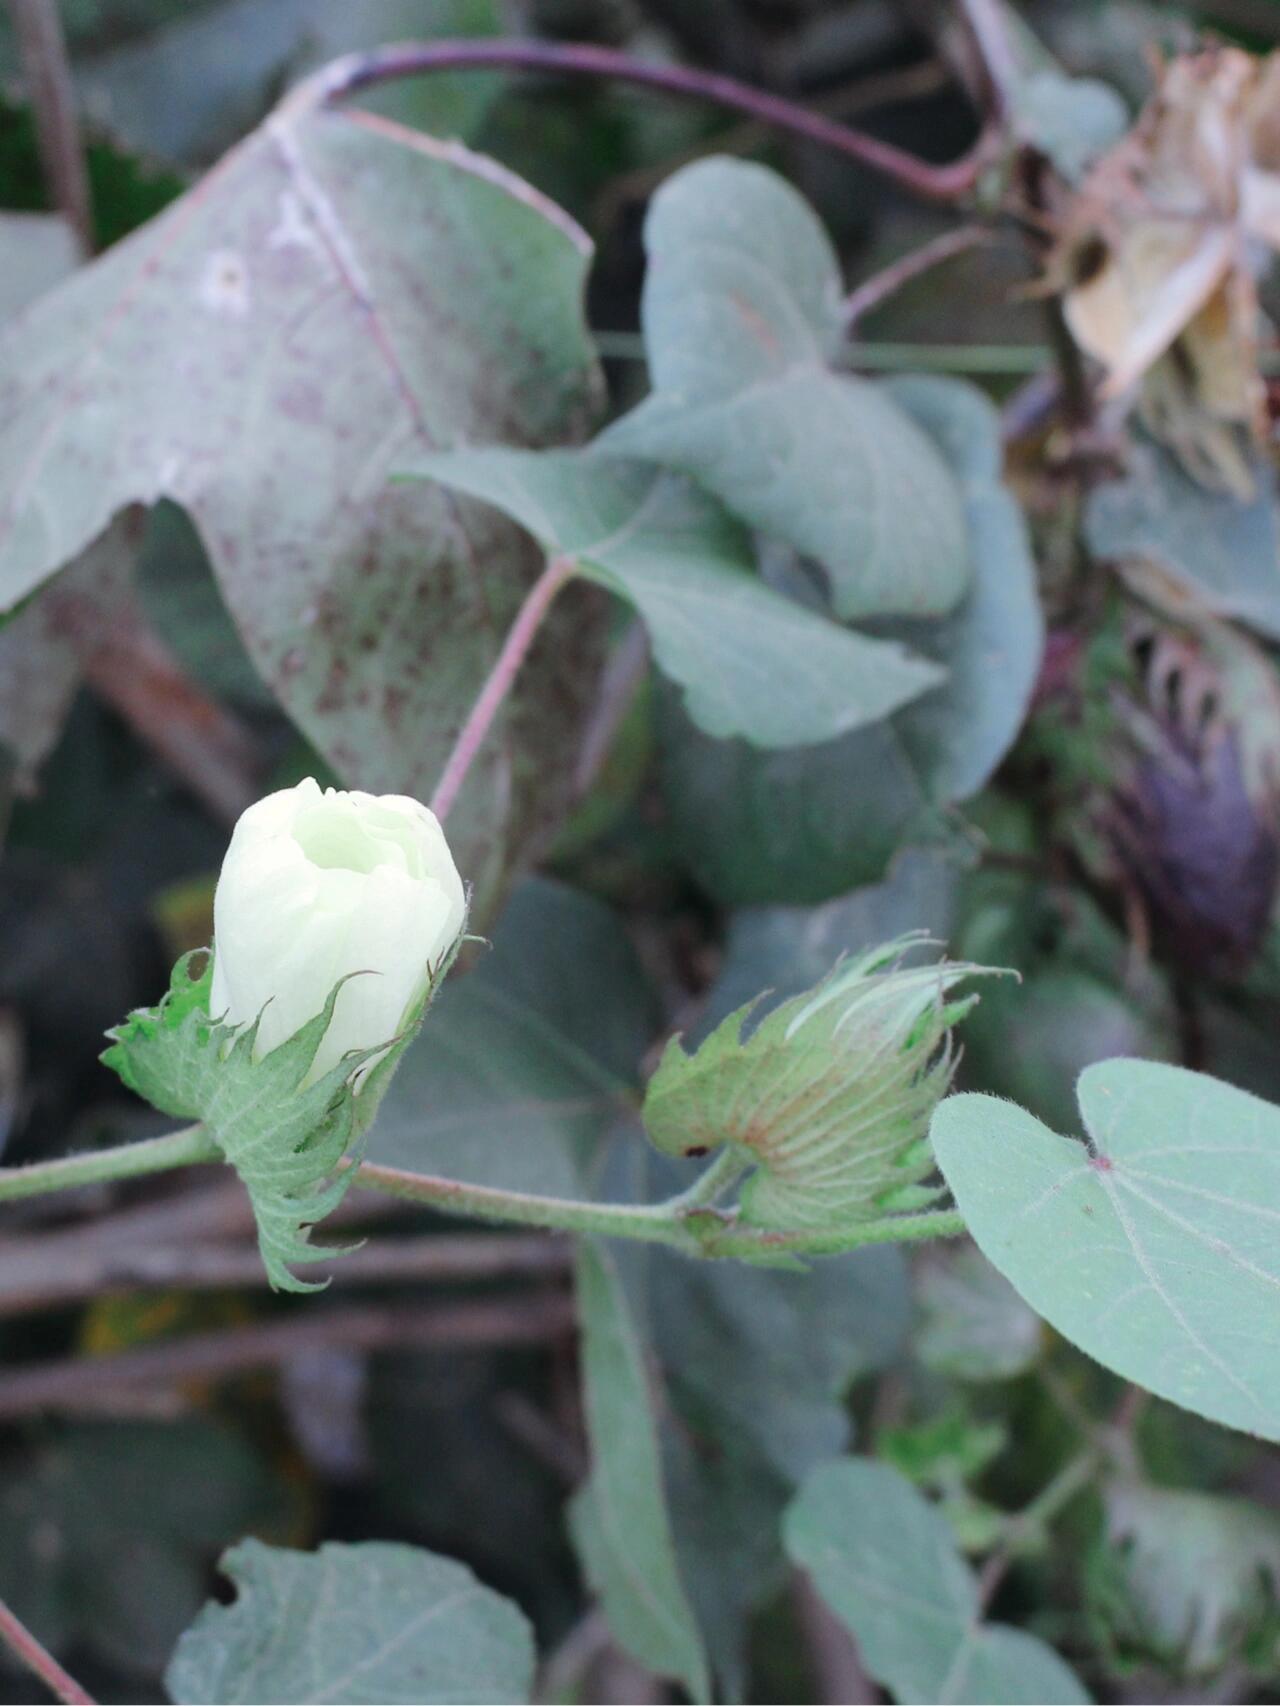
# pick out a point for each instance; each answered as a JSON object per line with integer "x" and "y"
{"x": 830, "y": 1095}
{"x": 317, "y": 886}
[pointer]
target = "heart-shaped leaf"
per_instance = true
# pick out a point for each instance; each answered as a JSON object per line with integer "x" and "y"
{"x": 1156, "y": 1247}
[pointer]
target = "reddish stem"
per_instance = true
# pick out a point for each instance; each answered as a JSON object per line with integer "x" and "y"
{"x": 43, "y": 50}
{"x": 19, "y": 1639}
{"x": 880, "y": 286}
{"x": 515, "y": 649}
{"x": 949, "y": 182}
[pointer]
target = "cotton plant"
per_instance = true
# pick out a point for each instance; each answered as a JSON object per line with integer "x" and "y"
{"x": 409, "y": 316}
{"x": 337, "y": 917}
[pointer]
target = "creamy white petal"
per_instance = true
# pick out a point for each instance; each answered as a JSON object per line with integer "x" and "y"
{"x": 317, "y": 886}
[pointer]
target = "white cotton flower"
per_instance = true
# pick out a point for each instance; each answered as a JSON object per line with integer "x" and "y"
{"x": 316, "y": 885}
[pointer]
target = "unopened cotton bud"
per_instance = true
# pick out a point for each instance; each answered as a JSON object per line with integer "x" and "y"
{"x": 831, "y": 1094}
{"x": 317, "y": 885}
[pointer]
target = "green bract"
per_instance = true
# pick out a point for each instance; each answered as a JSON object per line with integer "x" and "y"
{"x": 829, "y": 1096}
{"x": 285, "y": 1142}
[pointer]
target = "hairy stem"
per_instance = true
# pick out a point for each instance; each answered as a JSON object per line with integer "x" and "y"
{"x": 747, "y": 1242}
{"x": 123, "y": 1161}
{"x": 947, "y": 183}
{"x": 515, "y": 648}
{"x": 727, "y": 1168}
{"x": 653, "y": 1223}
{"x": 29, "y": 1652}
{"x": 687, "y": 1221}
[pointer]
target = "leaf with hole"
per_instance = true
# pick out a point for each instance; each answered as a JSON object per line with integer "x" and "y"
{"x": 363, "y": 1623}
{"x": 1155, "y": 1247}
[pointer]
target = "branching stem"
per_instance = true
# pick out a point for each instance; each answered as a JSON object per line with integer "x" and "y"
{"x": 1073, "y": 1478}
{"x": 687, "y": 1221}
{"x": 944, "y": 183}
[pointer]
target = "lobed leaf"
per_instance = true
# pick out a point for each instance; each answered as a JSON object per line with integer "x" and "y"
{"x": 1187, "y": 1580}
{"x": 335, "y": 294}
